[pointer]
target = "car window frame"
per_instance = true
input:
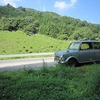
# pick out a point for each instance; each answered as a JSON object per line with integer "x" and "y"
{"x": 86, "y": 49}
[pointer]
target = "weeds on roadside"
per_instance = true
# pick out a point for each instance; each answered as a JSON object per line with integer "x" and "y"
{"x": 51, "y": 83}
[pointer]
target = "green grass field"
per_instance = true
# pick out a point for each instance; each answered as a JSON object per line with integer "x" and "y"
{"x": 53, "y": 83}
{"x": 19, "y": 43}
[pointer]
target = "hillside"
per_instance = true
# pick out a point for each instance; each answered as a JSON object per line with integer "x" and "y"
{"x": 19, "y": 43}
{"x": 47, "y": 23}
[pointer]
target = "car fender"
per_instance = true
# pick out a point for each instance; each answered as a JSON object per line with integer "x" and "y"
{"x": 71, "y": 57}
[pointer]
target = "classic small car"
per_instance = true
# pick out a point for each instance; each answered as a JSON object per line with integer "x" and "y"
{"x": 79, "y": 52}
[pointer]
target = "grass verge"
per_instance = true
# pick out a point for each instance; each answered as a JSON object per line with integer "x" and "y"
{"x": 54, "y": 83}
{"x": 39, "y": 56}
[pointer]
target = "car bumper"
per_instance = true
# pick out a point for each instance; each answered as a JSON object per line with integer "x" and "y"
{"x": 59, "y": 59}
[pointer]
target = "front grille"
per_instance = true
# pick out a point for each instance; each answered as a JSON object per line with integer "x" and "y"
{"x": 56, "y": 58}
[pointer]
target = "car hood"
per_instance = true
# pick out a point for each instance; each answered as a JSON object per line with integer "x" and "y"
{"x": 59, "y": 53}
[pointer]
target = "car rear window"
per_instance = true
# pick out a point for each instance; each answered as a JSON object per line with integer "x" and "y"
{"x": 97, "y": 45}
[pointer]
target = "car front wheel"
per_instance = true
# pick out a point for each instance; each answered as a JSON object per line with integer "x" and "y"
{"x": 72, "y": 62}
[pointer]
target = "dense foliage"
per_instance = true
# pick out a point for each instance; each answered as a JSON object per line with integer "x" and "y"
{"x": 55, "y": 83}
{"x": 47, "y": 23}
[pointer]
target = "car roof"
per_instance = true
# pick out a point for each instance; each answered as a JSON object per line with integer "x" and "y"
{"x": 88, "y": 41}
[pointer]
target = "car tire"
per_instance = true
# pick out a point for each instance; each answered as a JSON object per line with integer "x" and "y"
{"x": 72, "y": 62}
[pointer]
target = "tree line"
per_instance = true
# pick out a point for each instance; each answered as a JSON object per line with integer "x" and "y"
{"x": 48, "y": 23}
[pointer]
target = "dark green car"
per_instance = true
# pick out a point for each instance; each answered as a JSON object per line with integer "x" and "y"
{"x": 79, "y": 52}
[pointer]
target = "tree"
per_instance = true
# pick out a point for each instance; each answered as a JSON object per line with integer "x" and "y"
{"x": 32, "y": 28}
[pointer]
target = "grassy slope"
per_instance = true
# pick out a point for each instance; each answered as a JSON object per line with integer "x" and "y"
{"x": 18, "y": 42}
{"x": 55, "y": 83}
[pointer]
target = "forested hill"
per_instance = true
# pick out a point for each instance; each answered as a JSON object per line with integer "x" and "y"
{"x": 48, "y": 23}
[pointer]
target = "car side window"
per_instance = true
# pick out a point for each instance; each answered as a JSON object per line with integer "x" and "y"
{"x": 97, "y": 45}
{"x": 86, "y": 46}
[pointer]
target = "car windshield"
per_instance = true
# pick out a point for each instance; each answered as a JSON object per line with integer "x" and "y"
{"x": 74, "y": 46}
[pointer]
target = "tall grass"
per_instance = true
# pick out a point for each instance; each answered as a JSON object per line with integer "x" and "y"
{"x": 54, "y": 83}
{"x": 18, "y": 42}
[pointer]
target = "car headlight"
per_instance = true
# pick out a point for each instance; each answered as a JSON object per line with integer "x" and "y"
{"x": 62, "y": 60}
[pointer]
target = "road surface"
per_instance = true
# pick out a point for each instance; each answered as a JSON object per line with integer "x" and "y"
{"x": 25, "y": 63}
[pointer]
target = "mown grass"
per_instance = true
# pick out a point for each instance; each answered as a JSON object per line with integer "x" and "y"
{"x": 18, "y": 43}
{"x": 39, "y": 56}
{"x": 53, "y": 83}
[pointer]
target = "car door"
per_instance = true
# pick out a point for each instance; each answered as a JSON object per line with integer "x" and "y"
{"x": 86, "y": 52}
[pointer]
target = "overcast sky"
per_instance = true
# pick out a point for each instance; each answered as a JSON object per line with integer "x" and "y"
{"x": 81, "y": 9}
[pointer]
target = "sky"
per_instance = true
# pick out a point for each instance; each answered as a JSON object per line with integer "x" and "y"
{"x": 85, "y": 10}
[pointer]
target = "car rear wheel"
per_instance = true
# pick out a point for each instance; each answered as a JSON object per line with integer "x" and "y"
{"x": 72, "y": 62}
